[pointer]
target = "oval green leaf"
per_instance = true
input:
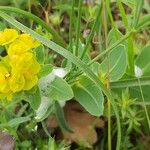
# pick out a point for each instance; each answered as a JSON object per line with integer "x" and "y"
{"x": 143, "y": 61}
{"x": 117, "y": 62}
{"x": 59, "y": 89}
{"x": 89, "y": 96}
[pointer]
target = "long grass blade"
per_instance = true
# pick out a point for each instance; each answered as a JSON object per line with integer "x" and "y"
{"x": 95, "y": 25}
{"x": 78, "y": 27}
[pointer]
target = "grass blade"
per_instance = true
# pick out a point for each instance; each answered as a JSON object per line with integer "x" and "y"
{"x": 144, "y": 105}
{"x": 97, "y": 20}
{"x": 130, "y": 83}
{"x": 78, "y": 27}
{"x": 61, "y": 117}
{"x": 71, "y": 25}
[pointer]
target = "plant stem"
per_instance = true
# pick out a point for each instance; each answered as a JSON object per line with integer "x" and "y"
{"x": 107, "y": 80}
{"x": 71, "y": 26}
{"x": 96, "y": 23}
{"x": 45, "y": 130}
{"x": 139, "y": 5}
{"x": 29, "y": 10}
{"x": 78, "y": 26}
{"x": 130, "y": 40}
{"x": 145, "y": 108}
{"x": 111, "y": 17}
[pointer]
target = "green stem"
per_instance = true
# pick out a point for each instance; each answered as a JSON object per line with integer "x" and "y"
{"x": 78, "y": 26}
{"x": 111, "y": 18}
{"x": 97, "y": 21}
{"x": 29, "y": 5}
{"x": 144, "y": 21}
{"x": 45, "y": 130}
{"x": 130, "y": 83}
{"x": 144, "y": 105}
{"x": 29, "y": 10}
{"x": 123, "y": 14}
{"x": 108, "y": 78}
{"x": 71, "y": 26}
{"x": 130, "y": 41}
{"x": 130, "y": 55}
{"x": 139, "y": 5}
{"x": 29, "y": 15}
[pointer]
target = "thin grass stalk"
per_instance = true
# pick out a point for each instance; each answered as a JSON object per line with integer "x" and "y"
{"x": 111, "y": 18}
{"x": 104, "y": 16}
{"x": 71, "y": 26}
{"x": 95, "y": 25}
{"x": 130, "y": 40}
{"x": 144, "y": 105}
{"x": 78, "y": 27}
{"x": 139, "y": 6}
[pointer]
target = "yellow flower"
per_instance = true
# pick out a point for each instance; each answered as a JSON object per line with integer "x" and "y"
{"x": 19, "y": 69}
{"x": 34, "y": 66}
{"x": 27, "y": 65}
{"x": 16, "y": 81}
{"x": 30, "y": 82}
{"x": 4, "y": 78}
{"x": 21, "y": 61}
{"x": 29, "y": 41}
{"x": 17, "y": 47}
{"x": 30, "y": 74}
{"x": 7, "y": 36}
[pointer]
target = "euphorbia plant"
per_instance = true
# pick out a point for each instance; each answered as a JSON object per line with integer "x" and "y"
{"x": 19, "y": 68}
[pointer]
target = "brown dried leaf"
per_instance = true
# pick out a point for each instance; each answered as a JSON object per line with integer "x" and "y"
{"x": 81, "y": 122}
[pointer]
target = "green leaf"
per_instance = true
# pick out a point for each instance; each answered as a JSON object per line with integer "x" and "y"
{"x": 130, "y": 3}
{"x": 113, "y": 36}
{"x": 143, "y": 21}
{"x": 16, "y": 121}
{"x": 59, "y": 89}
{"x": 61, "y": 118}
{"x": 44, "y": 109}
{"x": 40, "y": 55}
{"x": 51, "y": 144}
{"x": 138, "y": 9}
{"x": 117, "y": 62}
{"x": 33, "y": 97}
{"x": 45, "y": 70}
{"x": 143, "y": 60}
{"x": 22, "y": 110}
{"x": 145, "y": 81}
{"x": 66, "y": 65}
{"x": 134, "y": 87}
{"x": 86, "y": 58}
{"x": 88, "y": 95}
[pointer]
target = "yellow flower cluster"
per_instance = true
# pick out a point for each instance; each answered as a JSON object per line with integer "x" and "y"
{"x": 19, "y": 68}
